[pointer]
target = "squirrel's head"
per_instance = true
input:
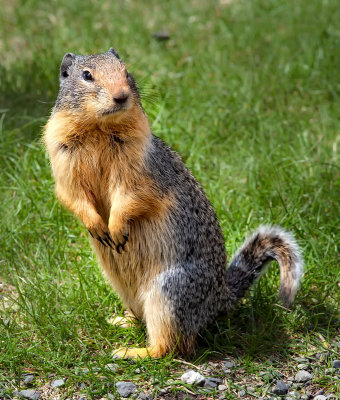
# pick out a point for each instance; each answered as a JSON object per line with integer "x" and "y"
{"x": 96, "y": 87}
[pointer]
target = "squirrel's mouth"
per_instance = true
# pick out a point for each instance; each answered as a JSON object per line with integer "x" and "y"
{"x": 113, "y": 110}
{"x": 116, "y": 109}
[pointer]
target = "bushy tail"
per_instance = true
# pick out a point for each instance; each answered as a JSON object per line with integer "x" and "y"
{"x": 266, "y": 244}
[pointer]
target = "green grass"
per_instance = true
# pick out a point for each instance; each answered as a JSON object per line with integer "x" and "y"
{"x": 248, "y": 94}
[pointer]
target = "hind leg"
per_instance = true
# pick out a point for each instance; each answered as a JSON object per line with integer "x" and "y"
{"x": 163, "y": 332}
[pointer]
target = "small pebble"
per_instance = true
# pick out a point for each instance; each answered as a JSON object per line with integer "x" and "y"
{"x": 242, "y": 393}
{"x": 299, "y": 385}
{"x": 320, "y": 397}
{"x": 125, "y": 389}
{"x": 301, "y": 359}
{"x": 319, "y": 392}
{"x": 27, "y": 378}
{"x": 303, "y": 376}
{"x": 302, "y": 366}
{"x": 58, "y": 383}
{"x": 294, "y": 395}
{"x": 28, "y": 394}
{"x": 112, "y": 367}
{"x": 267, "y": 376}
{"x": 222, "y": 387}
{"x": 281, "y": 388}
{"x": 192, "y": 377}
{"x": 209, "y": 383}
{"x": 83, "y": 371}
{"x": 336, "y": 364}
{"x": 228, "y": 364}
{"x": 221, "y": 396}
{"x": 143, "y": 396}
{"x": 329, "y": 371}
{"x": 250, "y": 389}
{"x": 213, "y": 364}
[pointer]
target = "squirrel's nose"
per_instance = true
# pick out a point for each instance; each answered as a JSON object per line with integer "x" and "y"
{"x": 121, "y": 98}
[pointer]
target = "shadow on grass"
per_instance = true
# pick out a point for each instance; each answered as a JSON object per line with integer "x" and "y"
{"x": 23, "y": 100}
{"x": 266, "y": 332}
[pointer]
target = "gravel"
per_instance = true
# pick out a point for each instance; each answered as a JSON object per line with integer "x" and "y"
{"x": 303, "y": 376}
{"x": 143, "y": 396}
{"x": 281, "y": 388}
{"x": 301, "y": 359}
{"x": 294, "y": 395}
{"x": 228, "y": 364}
{"x": 289, "y": 389}
{"x": 28, "y": 394}
{"x": 125, "y": 389}
{"x": 112, "y": 367}
{"x": 329, "y": 371}
{"x": 212, "y": 382}
{"x": 267, "y": 376}
{"x": 193, "y": 378}
{"x": 58, "y": 383}
{"x": 27, "y": 379}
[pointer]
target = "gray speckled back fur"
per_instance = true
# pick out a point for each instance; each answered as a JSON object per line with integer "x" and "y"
{"x": 197, "y": 283}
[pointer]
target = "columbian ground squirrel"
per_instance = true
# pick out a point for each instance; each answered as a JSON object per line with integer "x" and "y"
{"x": 154, "y": 230}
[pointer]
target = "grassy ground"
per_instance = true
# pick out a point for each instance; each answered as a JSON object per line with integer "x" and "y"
{"x": 248, "y": 93}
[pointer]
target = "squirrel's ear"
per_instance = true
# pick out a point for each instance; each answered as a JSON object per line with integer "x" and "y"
{"x": 113, "y": 51}
{"x": 65, "y": 65}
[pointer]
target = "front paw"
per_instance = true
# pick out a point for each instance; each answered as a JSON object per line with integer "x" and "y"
{"x": 100, "y": 232}
{"x": 120, "y": 238}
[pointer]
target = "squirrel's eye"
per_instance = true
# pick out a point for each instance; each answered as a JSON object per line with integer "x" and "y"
{"x": 87, "y": 76}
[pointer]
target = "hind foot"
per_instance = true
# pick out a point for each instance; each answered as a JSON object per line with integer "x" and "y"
{"x": 125, "y": 352}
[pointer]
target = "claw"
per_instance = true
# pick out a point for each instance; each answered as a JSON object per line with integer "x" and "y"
{"x": 101, "y": 241}
{"x": 108, "y": 237}
{"x": 108, "y": 242}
